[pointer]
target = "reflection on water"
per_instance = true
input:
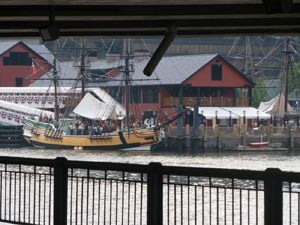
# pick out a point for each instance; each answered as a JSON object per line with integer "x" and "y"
{"x": 234, "y": 160}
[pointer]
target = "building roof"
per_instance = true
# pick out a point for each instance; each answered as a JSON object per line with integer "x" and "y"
{"x": 67, "y": 73}
{"x": 172, "y": 70}
{"x": 39, "y": 49}
{"x": 175, "y": 69}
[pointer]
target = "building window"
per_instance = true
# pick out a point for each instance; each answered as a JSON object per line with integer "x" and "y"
{"x": 216, "y": 72}
{"x": 216, "y": 92}
{"x": 19, "y": 82}
{"x": 17, "y": 59}
{"x": 150, "y": 95}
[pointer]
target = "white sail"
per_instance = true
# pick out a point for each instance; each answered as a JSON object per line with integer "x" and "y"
{"x": 275, "y": 106}
{"x": 115, "y": 106}
{"x": 95, "y": 108}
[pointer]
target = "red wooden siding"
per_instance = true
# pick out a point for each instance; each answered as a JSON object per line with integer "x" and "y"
{"x": 230, "y": 76}
{"x": 9, "y": 73}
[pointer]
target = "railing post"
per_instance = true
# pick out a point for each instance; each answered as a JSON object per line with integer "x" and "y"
{"x": 273, "y": 197}
{"x": 155, "y": 194}
{"x": 60, "y": 191}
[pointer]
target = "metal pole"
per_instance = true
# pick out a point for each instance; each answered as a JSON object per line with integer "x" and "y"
{"x": 160, "y": 51}
{"x": 273, "y": 197}
{"x": 60, "y": 191}
{"x": 155, "y": 194}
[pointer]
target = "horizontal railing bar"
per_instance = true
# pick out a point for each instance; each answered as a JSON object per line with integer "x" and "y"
{"x": 125, "y": 180}
{"x": 126, "y": 167}
{"x": 215, "y": 173}
{"x": 167, "y": 170}
{"x": 214, "y": 186}
{"x": 291, "y": 177}
{"x": 16, "y": 222}
{"x": 27, "y": 161}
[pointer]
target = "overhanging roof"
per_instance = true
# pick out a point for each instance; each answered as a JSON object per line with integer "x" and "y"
{"x": 144, "y": 17}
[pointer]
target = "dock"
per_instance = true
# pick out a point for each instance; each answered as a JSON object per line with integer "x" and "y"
{"x": 219, "y": 139}
{"x": 11, "y": 136}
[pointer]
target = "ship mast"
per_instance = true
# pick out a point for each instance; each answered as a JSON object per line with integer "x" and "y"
{"x": 249, "y": 66}
{"x": 286, "y": 74}
{"x": 82, "y": 67}
{"x": 55, "y": 81}
{"x": 128, "y": 69}
{"x": 127, "y": 76}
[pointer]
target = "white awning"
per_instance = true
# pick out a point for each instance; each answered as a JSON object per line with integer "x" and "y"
{"x": 94, "y": 108}
{"x": 234, "y": 112}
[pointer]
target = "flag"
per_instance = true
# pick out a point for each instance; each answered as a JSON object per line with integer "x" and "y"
{"x": 33, "y": 68}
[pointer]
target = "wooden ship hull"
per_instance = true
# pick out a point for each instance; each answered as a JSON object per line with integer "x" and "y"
{"x": 45, "y": 135}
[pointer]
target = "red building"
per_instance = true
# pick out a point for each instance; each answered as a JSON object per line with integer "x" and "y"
{"x": 21, "y": 63}
{"x": 208, "y": 80}
{"x": 205, "y": 80}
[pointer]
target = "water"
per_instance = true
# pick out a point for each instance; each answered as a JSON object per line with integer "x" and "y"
{"x": 255, "y": 160}
{"x": 234, "y": 160}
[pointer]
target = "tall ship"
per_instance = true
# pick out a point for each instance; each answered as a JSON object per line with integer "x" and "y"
{"x": 96, "y": 122}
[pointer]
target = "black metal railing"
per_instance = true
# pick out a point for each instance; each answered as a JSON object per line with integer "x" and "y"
{"x": 60, "y": 191}
{"x": 26, "y": 191}
{"x": 106, "y": 193}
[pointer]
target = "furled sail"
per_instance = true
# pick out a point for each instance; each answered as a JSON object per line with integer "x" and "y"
{"x": 95, "y": 108}
{"x": 275, "y": 106}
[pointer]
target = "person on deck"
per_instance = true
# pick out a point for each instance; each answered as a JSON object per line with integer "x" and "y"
{"x": 71, "y": 127}
{"x": 94, "y": 129}
{"x": 45, "y": 118}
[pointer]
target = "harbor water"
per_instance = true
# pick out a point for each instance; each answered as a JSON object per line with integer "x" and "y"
{"x": 254, "y": 160}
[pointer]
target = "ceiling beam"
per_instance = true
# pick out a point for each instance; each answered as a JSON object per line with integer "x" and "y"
{"x": 271, "y": 16}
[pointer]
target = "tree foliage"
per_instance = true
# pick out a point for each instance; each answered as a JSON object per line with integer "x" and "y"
{"x": 294, "y": 77}
{"x": 259, "y": 92}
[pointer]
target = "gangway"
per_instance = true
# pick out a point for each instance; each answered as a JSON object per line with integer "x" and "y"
{"x": 15, "y": 114}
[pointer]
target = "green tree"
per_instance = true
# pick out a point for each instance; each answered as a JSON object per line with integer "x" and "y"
{"x": 294, "y": 77}
{"x": 259, "y": 92}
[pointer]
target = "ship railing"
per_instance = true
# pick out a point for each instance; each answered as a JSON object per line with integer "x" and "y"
{"x": 60, "y": 191}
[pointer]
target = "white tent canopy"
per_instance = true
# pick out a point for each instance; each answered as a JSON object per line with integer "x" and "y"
{"x": 92, "y": 107}
{"x": 233, "y": 112}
